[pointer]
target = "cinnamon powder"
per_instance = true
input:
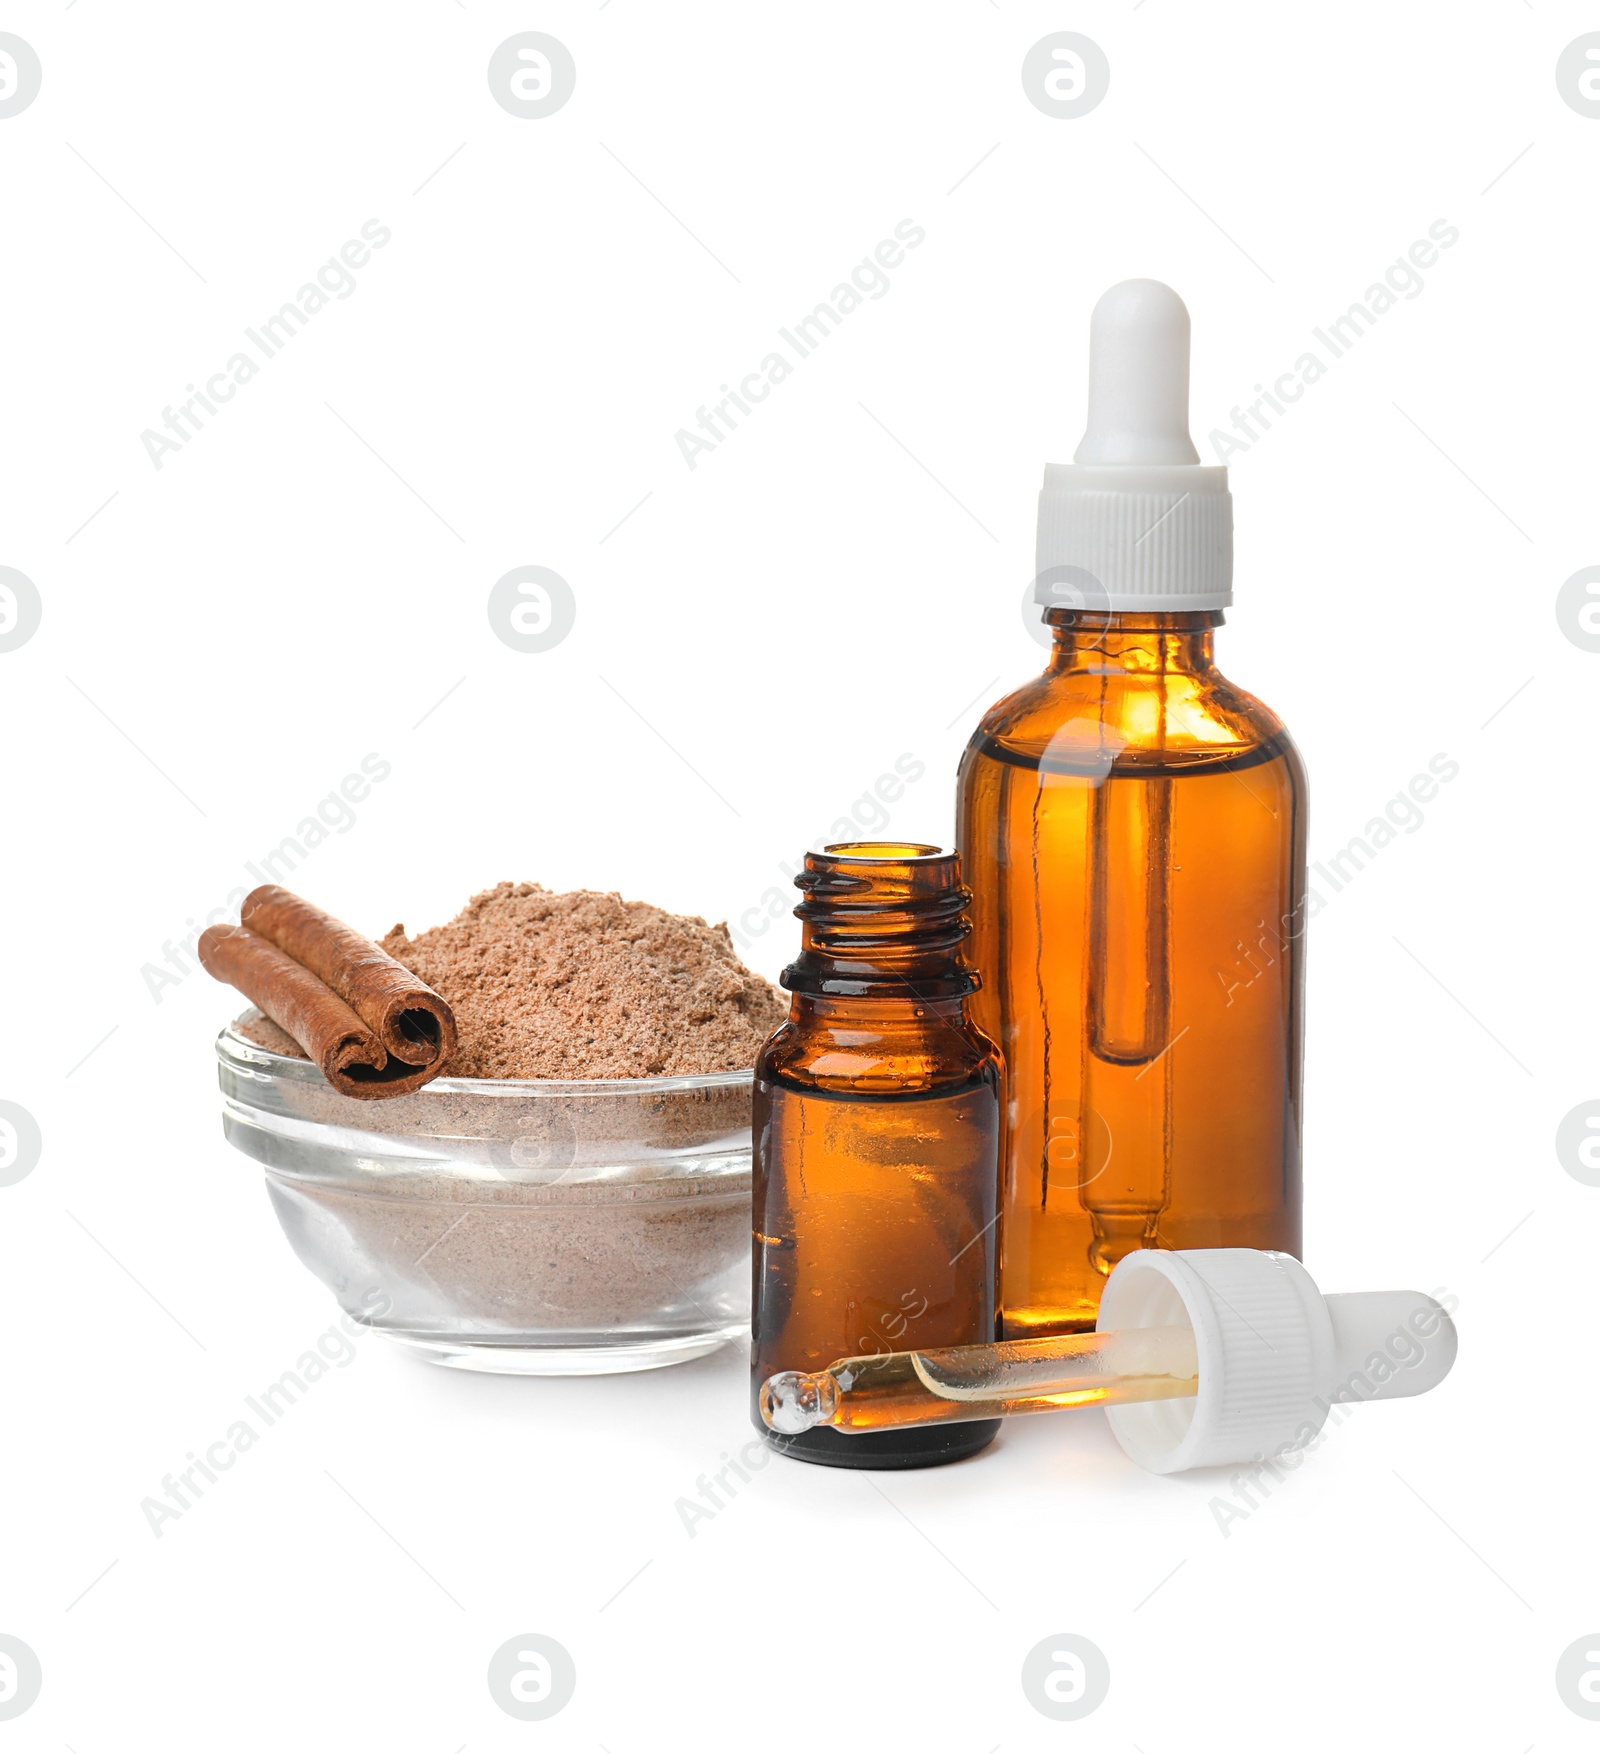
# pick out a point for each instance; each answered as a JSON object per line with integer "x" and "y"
{"x": 586, "y": 985}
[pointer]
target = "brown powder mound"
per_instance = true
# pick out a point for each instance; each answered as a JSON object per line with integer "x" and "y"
{"x": 587, "y": 985}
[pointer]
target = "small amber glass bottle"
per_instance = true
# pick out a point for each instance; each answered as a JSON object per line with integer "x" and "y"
{"x": 877, "y": 1129}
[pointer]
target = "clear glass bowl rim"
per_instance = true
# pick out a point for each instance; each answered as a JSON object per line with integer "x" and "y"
{"x": 235, "y": 1048}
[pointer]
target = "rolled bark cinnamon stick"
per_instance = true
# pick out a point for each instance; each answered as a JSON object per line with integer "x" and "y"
{"x": 414, "y": 1024}
{"x": 350, "y": 1055}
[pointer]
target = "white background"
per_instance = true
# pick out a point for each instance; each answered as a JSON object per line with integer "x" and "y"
{"x": 227, "y": 636}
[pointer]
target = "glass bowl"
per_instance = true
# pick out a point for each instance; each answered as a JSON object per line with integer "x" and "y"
{"x": 526, "y": 1226}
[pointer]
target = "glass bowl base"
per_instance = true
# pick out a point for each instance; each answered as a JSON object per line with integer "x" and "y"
{"x": 591, "y": 1356}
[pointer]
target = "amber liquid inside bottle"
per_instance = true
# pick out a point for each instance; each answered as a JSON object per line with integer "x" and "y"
{"x": 877, "y": 1134}
{"x": 1133, "y": 828}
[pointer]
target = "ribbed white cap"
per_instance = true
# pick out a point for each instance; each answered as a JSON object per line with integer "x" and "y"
{"x": 1273, "y": 1353}
{"x": 1136, "y": 521}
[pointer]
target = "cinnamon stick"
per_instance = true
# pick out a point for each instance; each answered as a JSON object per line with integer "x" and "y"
{"x": 415, "y": 1026}
{"x": 350, "y": 1056}
{"x": 372, "y": 1027}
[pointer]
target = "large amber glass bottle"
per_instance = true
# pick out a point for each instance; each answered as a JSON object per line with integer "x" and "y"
{"x": 1133, "y": 828}
{"x": 877, "y": 1122}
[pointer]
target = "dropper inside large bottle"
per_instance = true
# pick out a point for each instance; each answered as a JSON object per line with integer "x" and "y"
{"x": 1138, "y": 416}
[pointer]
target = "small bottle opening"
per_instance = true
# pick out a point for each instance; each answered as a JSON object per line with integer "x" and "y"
{"x": 897, "y": 850}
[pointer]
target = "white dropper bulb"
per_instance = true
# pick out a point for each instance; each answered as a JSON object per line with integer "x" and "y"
{"x": 1138, "y": 377}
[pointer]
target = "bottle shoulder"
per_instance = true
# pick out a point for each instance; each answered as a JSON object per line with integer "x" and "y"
{"x": 1124, "y": 718}
{"x": 938, "y": 1058}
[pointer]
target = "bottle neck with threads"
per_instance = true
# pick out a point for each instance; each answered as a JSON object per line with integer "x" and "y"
{"x": 883, "y": 922}
{"x": 1133, "y": 644}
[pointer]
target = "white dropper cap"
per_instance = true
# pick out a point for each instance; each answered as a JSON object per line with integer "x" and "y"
{"x": 1136, "y": 521}
{"x": 1274, "y": 1354}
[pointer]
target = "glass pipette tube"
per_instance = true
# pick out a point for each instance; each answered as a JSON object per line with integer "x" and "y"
{"x": 984, "y": 1382}
{"x": 1127, "y": 1073}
